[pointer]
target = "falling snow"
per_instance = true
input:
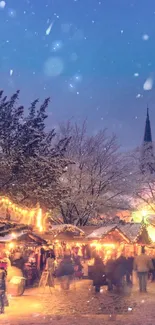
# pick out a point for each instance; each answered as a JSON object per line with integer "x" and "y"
{"x": 138, "y": 96}
{"x": 11, "y": 72}
{"x": 81, "y": 50}
{"x": 56, "y": 46}
{"x": 48, "y": 30}
{"x": 53, "y": 67}
{"x": 2, "y": 4}
{"x": 145, "y": 37}
{"x": 12, "y": 13}
{"x": 136, "y": 74}
{"x": 148, "y": 84}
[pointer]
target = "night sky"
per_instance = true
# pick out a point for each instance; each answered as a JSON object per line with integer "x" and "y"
{"x": 94, "y": 58}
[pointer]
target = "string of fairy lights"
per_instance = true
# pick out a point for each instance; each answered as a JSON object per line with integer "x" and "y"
{"x": 30, "y": 216}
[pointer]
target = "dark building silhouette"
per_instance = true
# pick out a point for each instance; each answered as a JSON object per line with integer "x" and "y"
{"x": 147, "y": 133}
{"x": 147, "y": 163}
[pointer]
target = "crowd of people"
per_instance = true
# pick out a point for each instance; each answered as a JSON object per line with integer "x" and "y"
{"x": 115, "y": 273}
{"x": 118, "y": 273}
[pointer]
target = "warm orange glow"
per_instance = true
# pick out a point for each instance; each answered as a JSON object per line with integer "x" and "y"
{"x": 31, "y": 216}
{"x": 11, "y": 245}
{"x": 27, "y": 214}
{"x": 151, "y": 231}
{"x": 13, "y": 206}
{"x": 39, "y": 220}
{"x": 144, "y": 213}
{"x": 13, "y": 235}
{"x": 98, "y": 246}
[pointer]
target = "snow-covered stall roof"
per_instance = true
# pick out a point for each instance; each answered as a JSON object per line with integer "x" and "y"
{"x": 64, "y": 230}
{"x": 136, "y": 232}
{"x": 7, "y": 228}
{"x": 29, "y": 238}
{"x": 11, "y": 231}
{"x": 131, "y": 230}
{"x": 101, "y": 232}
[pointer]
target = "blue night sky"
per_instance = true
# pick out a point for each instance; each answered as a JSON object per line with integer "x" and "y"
{"x": 94, "y": 58}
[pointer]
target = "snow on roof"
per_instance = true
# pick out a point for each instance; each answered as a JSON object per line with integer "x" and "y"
{"x": 130, "y": 230}
{"x": 102, "y": 231}
{"x": 10, "y": 237}
{"x": 66, "y": 228}
{"x": 23, "y": 236}
{"x": 7, "y": 228}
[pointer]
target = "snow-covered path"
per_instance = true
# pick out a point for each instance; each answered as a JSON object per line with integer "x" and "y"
{"x": 81, "y": 306}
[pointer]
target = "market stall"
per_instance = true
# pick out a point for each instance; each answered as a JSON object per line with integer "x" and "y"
{"x": 121, "y": 238}
{"x": 69, "y": 239}
{"x": 108, "y": 241}
{"x": 21, "y": 255}
{"x": 64, "y": 237}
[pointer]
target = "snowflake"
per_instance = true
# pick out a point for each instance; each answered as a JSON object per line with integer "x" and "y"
{"x": 148, "y": 84}
{"x": 2, "y": 4}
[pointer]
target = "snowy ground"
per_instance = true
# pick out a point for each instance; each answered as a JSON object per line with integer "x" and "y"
{"x": 81, "y": 306}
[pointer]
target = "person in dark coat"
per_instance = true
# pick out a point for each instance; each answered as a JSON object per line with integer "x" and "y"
{"x": 65, "y": 272}
{"x": 110, "y": 268}
{"x": 153, "y": 271}
{"x": 98, "y": 274}
{"x": 130, "y": 261}
{"x": 120, "y": 270}
{"x": 2, "y": 289}
{"x": 77, "y": 266}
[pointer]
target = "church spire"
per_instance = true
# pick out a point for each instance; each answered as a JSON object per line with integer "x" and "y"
{"x": 147, "y": 155}
{"x": 147, "y": 133}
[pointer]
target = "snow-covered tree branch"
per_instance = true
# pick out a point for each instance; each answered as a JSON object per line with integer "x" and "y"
{"x": 97, "y": 179}
{"x": 32, "y": 162}
{"x": 141, "y": 184}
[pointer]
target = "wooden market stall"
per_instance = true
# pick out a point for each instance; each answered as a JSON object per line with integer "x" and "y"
{"x": 66, "y": 237}
{"x": 121, "y": 238}
{"x": 108, "y": 241}
{"x": 138, "y": 235}
{"x": 21, "y": 251}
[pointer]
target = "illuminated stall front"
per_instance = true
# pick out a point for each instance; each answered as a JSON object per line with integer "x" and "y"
{"x": 124, "y": 238}
{"x": 65, "y": 237}
{"x": 20, "y": 251}
{"x": 108, "y": 242}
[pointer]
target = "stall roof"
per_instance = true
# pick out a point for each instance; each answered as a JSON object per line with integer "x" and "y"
{"x": 101, "y": 232}
{"x": 7, "y": 228}
{"x": 31, "y": 238}
{"x": 11, "y": 231}
{"x": 88, "y": 229}
{"x": 27, "y": 237}
{"x": 131, "y": 230}
{"x": 64, "y": 232}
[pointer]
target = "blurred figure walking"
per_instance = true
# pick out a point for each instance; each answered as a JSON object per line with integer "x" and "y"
{"x": 65, "y": 272}
{"x": 143, "y": 264}
{"x": 2, "y": 290}
{"x": 98, "y": 274}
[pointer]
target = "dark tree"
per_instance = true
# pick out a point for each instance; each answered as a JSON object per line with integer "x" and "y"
{"x": 32, "y": 162}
